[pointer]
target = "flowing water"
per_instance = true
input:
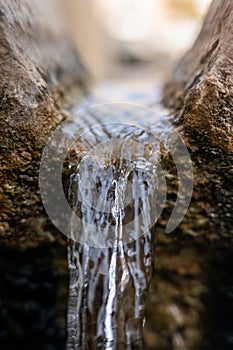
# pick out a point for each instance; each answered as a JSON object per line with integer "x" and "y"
{"x": 117, "y": 191}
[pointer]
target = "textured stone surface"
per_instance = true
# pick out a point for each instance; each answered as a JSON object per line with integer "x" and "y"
{"x": 201, "y": 88}
{"x": 39, "y": 70}
{"x": 192, "y": 290}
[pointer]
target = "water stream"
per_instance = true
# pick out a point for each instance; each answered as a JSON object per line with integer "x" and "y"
{"x": 117, "y": 191}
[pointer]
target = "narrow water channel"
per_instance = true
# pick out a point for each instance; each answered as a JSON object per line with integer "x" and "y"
{"x": 117, "y": 191}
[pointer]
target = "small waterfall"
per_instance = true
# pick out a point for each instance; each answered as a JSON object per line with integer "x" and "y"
{"x": 116, "y": 191}
{"x": 108, "y": 285}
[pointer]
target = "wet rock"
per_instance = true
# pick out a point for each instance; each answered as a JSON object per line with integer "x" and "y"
{"x": 39, "y": 70}
{"x": 201, "y": 88}
{"x": 193, "y": 264}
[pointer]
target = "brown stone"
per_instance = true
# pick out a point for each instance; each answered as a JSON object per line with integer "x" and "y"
{"x": 201, "y": 88}
{"x": 193, "y": 269}
{"x": 39, "y": 71}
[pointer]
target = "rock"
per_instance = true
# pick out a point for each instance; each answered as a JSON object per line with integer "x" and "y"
{"x": 40, "y": 71}
{"x": 193, "y": 268}
{"x": 201, "y": 88}
{"x": 34, "y": 316}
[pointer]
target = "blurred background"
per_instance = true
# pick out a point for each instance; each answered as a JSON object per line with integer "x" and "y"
{"x": 133, "y": 38}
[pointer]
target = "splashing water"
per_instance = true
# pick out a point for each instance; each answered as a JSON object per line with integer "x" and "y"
{"x": 117, "y": 190}
{"x": 108, "y": 285}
